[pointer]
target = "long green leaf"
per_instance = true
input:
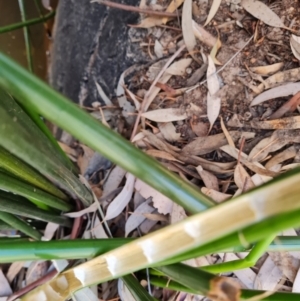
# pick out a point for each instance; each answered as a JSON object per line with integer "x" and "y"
{"x": 136, "y": 289}
{"x": 23, "y": 171}
{"x": 9, "y": 183}
{"x": 26, "y": 36}
{"x": 18, "y": 224}
{"x": 21, "y": 137}
{"x": 24, "y": 209}
{"x": 57, "y": 249}
{"x": 15, "y": 26}
{"x": 89, "y": 248}
{"x": 31, "y": 91}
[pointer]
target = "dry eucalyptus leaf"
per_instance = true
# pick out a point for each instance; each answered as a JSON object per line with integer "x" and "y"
{"x": 281, "y": 91}
{"x": 262, "y": 12}
{"x": 13, "y": 270}
{"x": 213, "y": 101}
{"x": 266, "y": 146}
{"x": 103, "y": 96}
{"x": 122, "y": 199}
{"x": 287, "y": 263}
{"x": 287, "y": 123}
{"x": 209, "y": 179}
{"x": 213, "y": 108}
{"x": 133, "y": 97}
{"x": 50, "y": 231}
{"x": 187, "y": 26}
{"x": 158, "y": 49}
{"x": 268, "y": 276}
{"x": 290, "y": 166}
{"x": 179, "y": 67}
{"x": 242, "y": 179}
{"x": 207, "y": 144}
{"x": 202, "y": 35}
{"x": 114, "y": 180}
{"x": 255, "y": 166}
{"x": 5, "y": 289}
{"x": 213, "y": 10}
{"x": 138, "y": 216}
{"x": 165, "y": 115}
{"x": 92, "y": 208}
{"x": 162, "y": 203}
{"x": 296, "y": 284}
{"x": 171, "y": 8}
{"x": 213, "y": 83}
{"x": 161, "y": 155}
{"x": 36, "y": 270}
{"x": 292, "y": 75}
{"x": 97, "y": 230}
{"x": 287, "y": 154}
{"x": 217, "y": 196}
{"x": 159, "y": 143}
{"x": 227, "y": 134}
{"x": 267, "y": 70}
{"x": 295, "y": 46}
{"x": 127, "y": 107}
{"x": 199, "y": 128}
{"x": 215, "y": 50}
{"x": 178, "y": 214}
{"x": 164, "y": 79}
{"x": 168, "y": 130}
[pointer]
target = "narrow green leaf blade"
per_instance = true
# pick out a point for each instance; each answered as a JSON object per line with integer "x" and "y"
{"x": 18, "y": 133}
{"x": 25, "y": 209}
{"x": 20, "y": 225}
{"x": 137, "y": 291}
{"x": 9, "y": 183}
{"x": 23, "y": 171}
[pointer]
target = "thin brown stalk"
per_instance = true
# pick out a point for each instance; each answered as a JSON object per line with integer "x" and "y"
{"x": 135, "y": 9}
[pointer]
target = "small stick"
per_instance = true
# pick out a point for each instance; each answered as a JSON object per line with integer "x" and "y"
{"x": 135, "y": 9}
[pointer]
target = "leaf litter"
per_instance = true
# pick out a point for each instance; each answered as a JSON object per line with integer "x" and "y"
{"x": 206, "y": 131}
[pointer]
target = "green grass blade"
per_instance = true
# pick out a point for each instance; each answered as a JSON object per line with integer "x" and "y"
{"x": 57, "y": 249}
{"x": 18, "y": 224}
{"x": 190, "y": 277}
{"x": 9, "y": 183}
{"x": 23, "y": 171}
{"x": 15, "y": 26}
{"x": 31, "y": 91}
{"x": 138, "y": 292}
{"x": 26, "y": 36}
{"x": 23, "y": 138}
{"x": 30, "y": 211}
{"x": 89, "y": 248}
{"x": 42, "y": 126}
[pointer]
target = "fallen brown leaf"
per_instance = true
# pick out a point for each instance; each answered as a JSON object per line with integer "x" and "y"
{"x": 287, "y": 123}
{"x": 289, "y": 106}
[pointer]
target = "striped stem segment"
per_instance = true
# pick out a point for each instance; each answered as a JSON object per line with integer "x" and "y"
{"x": 274, "y": 198}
